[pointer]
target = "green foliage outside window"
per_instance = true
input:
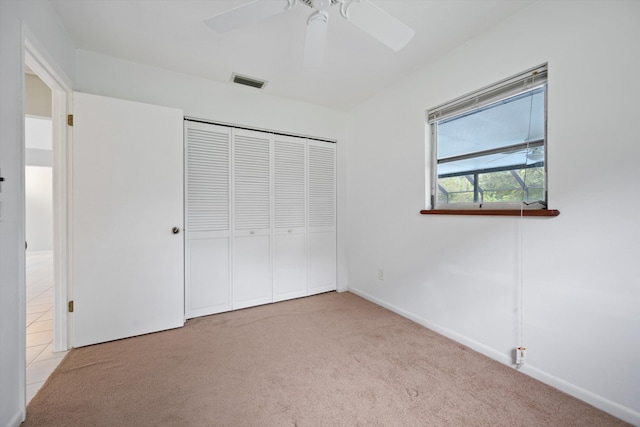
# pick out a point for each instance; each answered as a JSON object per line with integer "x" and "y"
{"x": 504, "y": 186}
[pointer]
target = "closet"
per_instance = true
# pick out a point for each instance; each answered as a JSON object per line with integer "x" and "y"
{"x": 260, "y": 218}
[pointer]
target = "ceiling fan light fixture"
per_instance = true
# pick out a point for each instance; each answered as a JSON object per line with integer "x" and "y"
{"x": 321, "y": 4}
{"x": 248, "y": 81}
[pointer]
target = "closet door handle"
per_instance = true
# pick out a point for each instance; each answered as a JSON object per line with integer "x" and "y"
{"x": 175, "y": 230}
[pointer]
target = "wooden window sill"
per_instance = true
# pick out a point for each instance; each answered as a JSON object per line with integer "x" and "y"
{"x": 495, "y": 212}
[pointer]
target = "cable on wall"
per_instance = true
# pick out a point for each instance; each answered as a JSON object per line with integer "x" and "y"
{"x": 522, "y": 349}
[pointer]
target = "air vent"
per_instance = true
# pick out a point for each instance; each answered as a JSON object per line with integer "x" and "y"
{"x": 247, "y": 81}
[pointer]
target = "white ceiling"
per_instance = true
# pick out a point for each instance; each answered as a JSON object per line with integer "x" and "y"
{"x": 171, "y": 34}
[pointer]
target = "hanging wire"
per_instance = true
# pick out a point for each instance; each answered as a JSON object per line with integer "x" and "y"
{"x": 520, "y": 227}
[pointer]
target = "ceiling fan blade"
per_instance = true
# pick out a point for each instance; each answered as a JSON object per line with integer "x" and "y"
{"x": 378, "y": 23}
{"x": 247, "y": 14}
{"x": 316, "y": 38}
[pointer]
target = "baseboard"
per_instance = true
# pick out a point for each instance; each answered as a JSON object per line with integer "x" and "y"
{"x": 475, "y": 345}
{"x": 606, "y": 405}
{"x": 16, "y": 420}
{"x": 615, "y": 409}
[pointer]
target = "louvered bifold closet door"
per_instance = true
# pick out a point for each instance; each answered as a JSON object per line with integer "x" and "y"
{"x": 251, "y": 218}
{"x": 321, "y": 217}
{"x": 289, "y": 174}
{"x": 207, "y": 219}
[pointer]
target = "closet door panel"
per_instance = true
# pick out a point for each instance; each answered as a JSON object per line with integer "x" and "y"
{"x": 252, "y": 180}
{"x": 289, "y": 171}
{"x": 207, "y": 177}
{"x": 289, "y": 174}
{"x": 252, "y": 268}
{"x": 251, "y": 218}
{"x": 207, "y": 213}
{"x": 208, "y": 276}
{"x": 322, "y": 262}
{"x": 322, "y": 217}
{"x": 289, "y": 271}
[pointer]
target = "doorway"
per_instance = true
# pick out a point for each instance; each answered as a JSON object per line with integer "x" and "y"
{"x": 46, "y": 104}
{"x": 40, "y": 357}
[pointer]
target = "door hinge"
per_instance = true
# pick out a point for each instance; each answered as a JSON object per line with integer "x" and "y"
{"x": 71, "y": 306}
{"x": 70, "y": 119}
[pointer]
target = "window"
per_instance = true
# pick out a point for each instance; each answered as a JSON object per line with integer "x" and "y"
{"x": 489, "y": 147}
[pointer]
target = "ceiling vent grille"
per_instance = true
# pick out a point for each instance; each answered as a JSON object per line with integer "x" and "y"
{"x": 248, "y": 81}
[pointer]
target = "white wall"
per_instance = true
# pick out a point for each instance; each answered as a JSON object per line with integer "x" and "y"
{"x": 37, "y": 96}
{"x": 39, "y": 208}
{"x": 460, "y": 274}
{"x": 457, "y": 274}
{"x": 38, "y": 174}
{"x": 227, "y": 103}
{"x": 37, "y": 19}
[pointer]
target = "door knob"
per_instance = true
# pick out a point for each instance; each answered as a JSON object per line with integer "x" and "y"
{"x": 175, "y": 230}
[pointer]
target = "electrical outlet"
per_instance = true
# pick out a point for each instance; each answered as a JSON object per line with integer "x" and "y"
{"x": 381, "y": 274}
{"x": 521, "y": 353}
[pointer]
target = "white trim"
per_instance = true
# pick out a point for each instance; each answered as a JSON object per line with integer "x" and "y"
{"x": 60, "y": 105}
{"x": 258, "y": 129}
{"x": 16, "y": 420}
{"x": 606, "y": 405}
{"x": 475, "y": 345}
{"x": 22, "y": 281}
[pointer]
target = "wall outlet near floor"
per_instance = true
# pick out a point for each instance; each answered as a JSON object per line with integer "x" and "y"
{"x": 381, "y": 274}
{"x": 521, "y": 353}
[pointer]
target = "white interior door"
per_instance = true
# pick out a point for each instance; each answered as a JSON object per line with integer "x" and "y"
{"x": 251, "y": 218}
{"x": 289, "y": 188}
{"x": 128, "y": 265}
{"x": 208, "y": 219}
{"x": 322, "y": 217}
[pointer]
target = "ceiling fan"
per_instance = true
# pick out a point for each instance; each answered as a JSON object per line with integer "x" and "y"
{"x": 364, "y": 14}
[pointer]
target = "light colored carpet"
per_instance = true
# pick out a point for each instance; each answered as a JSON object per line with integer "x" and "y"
{"x": 328, "y": 360}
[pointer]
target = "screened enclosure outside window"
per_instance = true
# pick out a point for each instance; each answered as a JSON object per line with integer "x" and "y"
{"x": 489, "y": 147}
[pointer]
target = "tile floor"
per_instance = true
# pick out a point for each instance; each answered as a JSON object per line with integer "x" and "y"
{"x": 41, "y": 360}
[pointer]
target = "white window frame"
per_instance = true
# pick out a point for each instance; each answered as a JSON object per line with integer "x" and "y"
{"x": 519, "y": 83}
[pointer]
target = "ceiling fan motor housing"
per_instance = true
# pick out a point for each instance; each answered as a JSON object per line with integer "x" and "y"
{"x": 321, "y": 4}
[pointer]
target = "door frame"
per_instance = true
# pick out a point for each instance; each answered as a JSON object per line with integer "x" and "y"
{"x": 61, "y": 105}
